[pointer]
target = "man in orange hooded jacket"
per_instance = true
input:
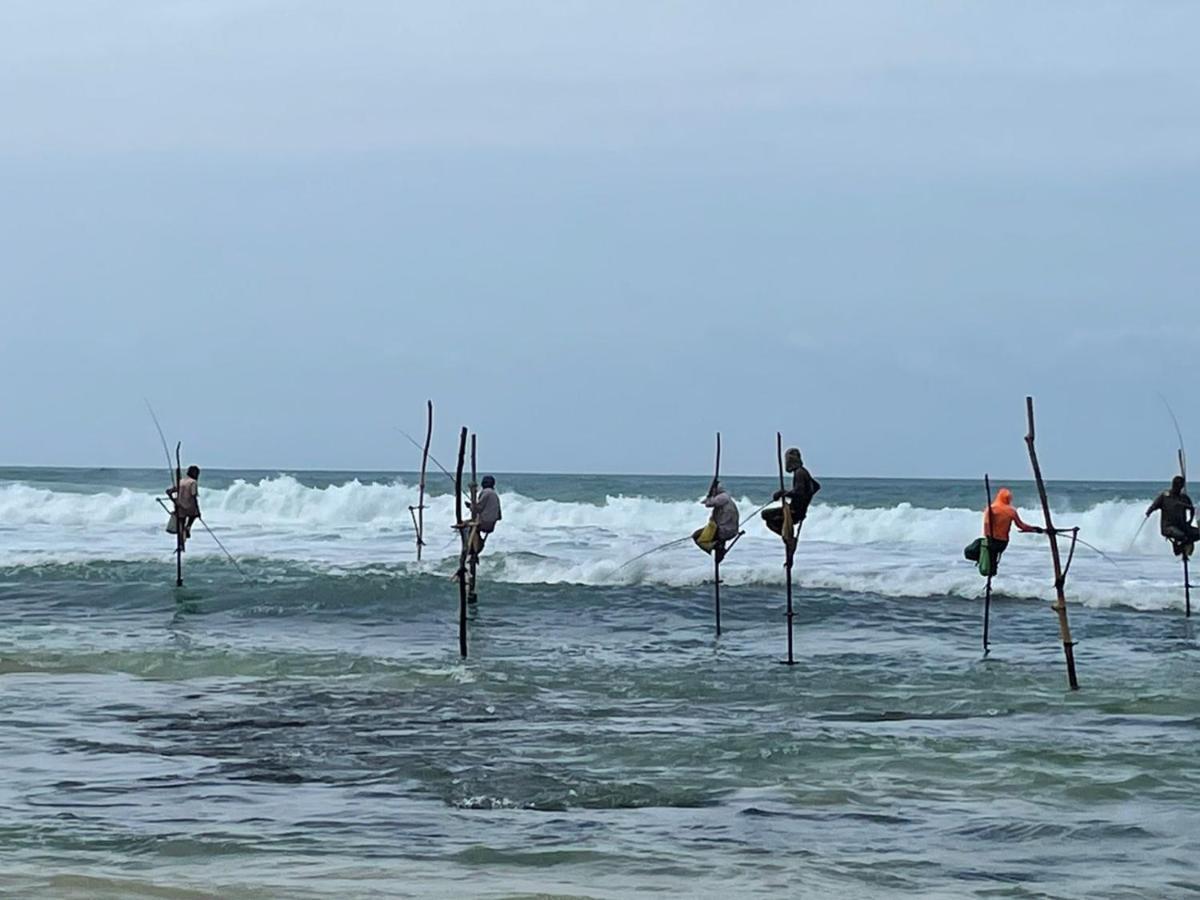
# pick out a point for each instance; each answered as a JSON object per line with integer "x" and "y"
{"x": 998, "y": 521}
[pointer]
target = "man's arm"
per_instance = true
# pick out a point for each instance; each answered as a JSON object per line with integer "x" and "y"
{"x": 1021, "y": 526}
{"x": 1157, "y": 504}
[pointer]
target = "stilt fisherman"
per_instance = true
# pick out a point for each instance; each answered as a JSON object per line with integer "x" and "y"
{"x": 722, "y": 527}
{"x": 186, "y": 497}
{"x": 804, "y": 488}
{"x": 998, "y": 520}
{"x": 1176, "y": 513}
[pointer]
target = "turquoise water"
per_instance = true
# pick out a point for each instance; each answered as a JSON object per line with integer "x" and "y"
{"x": 313, "y": 732}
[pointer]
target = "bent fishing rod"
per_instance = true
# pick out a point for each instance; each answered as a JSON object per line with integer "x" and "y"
{"x": 172, "y": 471}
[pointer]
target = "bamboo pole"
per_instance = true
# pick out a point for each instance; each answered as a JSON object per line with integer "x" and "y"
{"x": 987, "y": 542}
{"x": 458, "y": 516}
{"x": 1187, "y": 581}
{"x": 789, "y": 543}
{"x": 418, "y": 512}
{"x": 472, "y": 555}
{"x": 716, "y": 555}
{"x": 179, "y": 521}
{"x": 1060, "y": 602}
{"x": 1187, "y": 589}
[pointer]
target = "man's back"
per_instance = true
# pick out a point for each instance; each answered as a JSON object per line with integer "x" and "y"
{"x": 725, "y": 514}
{"x": 487, "y": 509}
{"x": 187, "y": 499}
{"x": 1175, "y": 508}
{"x": 804, "y": 488}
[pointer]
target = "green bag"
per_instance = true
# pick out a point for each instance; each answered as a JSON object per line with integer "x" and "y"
{"x": 985, "y": 559}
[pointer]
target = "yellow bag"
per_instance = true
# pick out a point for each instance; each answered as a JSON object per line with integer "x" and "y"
{"x": 706, "y": 537}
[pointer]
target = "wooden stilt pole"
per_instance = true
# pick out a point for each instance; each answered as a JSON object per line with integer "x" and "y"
{"x": 180, "y": 521}
{"x": 717, "y": 549}
{"x": 418, "y": 511}
{"x": 789, "y": 544}
{"x": 1187, "y": 589}
{"x": 987, "y": 541}
{"x": 462, "y": 534}
{"x": 1187, "y": 548}
{"x": 1060, "y": 600}
{"x": 717, "y": 591}
{"x": 472, "y": 555}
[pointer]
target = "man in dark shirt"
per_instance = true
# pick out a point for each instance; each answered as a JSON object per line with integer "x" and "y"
{"x": 804, "y": 488}
{"x": 1175, "y": 517}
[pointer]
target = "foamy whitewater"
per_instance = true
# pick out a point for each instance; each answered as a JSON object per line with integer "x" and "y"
{"x": 911, "y": 547}
{"x": 310, "y": 729}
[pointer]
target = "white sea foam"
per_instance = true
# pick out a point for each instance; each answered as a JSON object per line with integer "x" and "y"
{"x": 901, "y": 550}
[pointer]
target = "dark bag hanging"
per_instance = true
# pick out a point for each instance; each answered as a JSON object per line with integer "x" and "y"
{"x": 971, "y": 551}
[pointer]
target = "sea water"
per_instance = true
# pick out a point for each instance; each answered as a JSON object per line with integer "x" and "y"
{"x": 310, "y": 730}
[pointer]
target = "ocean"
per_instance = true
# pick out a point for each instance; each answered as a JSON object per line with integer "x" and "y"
{"x": 310, "y": 730}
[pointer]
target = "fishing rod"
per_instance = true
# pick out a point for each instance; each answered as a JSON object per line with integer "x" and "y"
{"x": 682, "y": 539}
{"x": 654, "y": 550}
{"x": 413, "y": 441}
{"x": 1141, "y": 525}
{"x": 1179, "y": 434}
{"x": 228, "y": 555}
{"x": 174, "y": 474}
{"x": 172, "y": 471}
{"x": 1077, "y": 539}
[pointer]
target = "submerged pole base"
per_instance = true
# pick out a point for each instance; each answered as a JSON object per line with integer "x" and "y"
{"x": 790, "y": 661}
{"x": 1069, "y": 652}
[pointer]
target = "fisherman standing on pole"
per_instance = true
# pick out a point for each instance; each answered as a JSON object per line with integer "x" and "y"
{"x": 186, "y": 497}
{"x": 1176, "y": 513}
{"x": 804, "y": 488}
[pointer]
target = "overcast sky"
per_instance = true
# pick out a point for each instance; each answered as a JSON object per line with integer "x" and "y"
{"x": 599, "y": 232}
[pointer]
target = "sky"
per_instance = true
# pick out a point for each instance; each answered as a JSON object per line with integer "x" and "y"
{"x": 596, "y": 233}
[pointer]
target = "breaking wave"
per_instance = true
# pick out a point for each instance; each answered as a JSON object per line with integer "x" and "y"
{"x": 903, "y": 550}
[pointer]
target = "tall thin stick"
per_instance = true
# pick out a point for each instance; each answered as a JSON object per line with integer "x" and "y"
{"x": 472, "y": 555}
{"x": 987, "y": 542}
{"x": 1187, "y": 582}
{"x": 716, "y": 550}
{"x": 1187, "y": 589}
{"x": 458, "y": 516}
{"x": 418, "y": 512}
{"x": 789, "y": 543}
{"x": 179, "y": 521}
{"x": 1060, "y": 602}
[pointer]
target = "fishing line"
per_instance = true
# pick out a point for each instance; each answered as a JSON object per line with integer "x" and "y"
{"x": 228, "y": 555}
{"x": 682, "y": 539}
{"x": 421, "y": 447}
